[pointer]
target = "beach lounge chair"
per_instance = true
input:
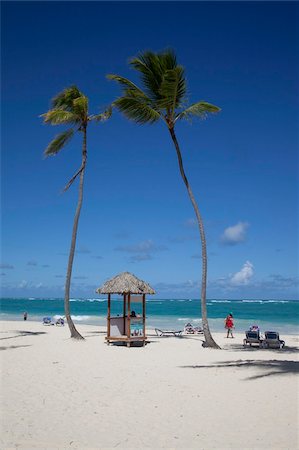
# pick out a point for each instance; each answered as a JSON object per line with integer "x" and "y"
{"x": 252, "y": 337}
{"x": 47, "y": 321}
{"x": 60, "y": 322}
{"x": 167, "y": 332}
{"x": 272, "y": 340}
{"x": 190, "y": 329}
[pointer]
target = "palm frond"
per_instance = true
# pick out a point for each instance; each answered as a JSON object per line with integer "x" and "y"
{"x": 168, "y": 59}
{"x": 153, "y": 67}
{"x": 199, "y": 109}
{"x": 65, "y": 98}
{"x": 103, "y": 116}
{"x": 173, "y": 89}
{"x": 125, "y": 83}
{"x": 137, "y": 109}
{"x": 80, "y": 106}
{"x": 149, "y": 66}
{"x": 59, "y": 142}
{"x": 59, "y": 116}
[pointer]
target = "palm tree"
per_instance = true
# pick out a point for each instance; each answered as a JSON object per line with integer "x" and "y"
{"x": 71, "y": 107}
{"x": 163, "y": 96}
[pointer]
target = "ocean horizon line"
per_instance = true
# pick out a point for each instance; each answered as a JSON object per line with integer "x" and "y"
{"x": 101, "y": 299}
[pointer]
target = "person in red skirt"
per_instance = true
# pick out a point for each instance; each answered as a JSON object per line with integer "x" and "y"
{"x": 229, "y": 325}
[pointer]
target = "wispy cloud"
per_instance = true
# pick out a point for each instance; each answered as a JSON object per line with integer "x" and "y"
{"x": 24, "y": 284}
{"x": 83, "y": 250}
{"x": 32, "y": 263}
{"x": 142, "y": 251}
{"x": 235, "y": 234}
{"x": 182, "y": 239}
{"x": 196, "y": 256}
{"x": 190, "y": 223}
{"x": 142, "y": 247}
{"x": 122, "y": 235}
{"x": 140, "y": 258}
{"x": 184, "y": 286}
{"x": 243, "y": 276}
{"x": 276, "y": 280}
{"x": 6, "y": 266}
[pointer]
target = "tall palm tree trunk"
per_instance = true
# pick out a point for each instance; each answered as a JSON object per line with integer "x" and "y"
{"x": 74, "y": 332}
{"x": 209, "y": 341}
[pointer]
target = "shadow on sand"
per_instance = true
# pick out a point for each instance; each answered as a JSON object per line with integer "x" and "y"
{"x": 270, "y": 367}
{"x": 22, "y": 333}
{"x": 12, "y": 347}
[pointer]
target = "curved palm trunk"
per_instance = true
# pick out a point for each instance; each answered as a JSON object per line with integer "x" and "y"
{"x": 209, "y": 341}
{"x": 74, "y": 333}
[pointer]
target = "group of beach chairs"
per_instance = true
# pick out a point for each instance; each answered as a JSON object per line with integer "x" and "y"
{"x": 269, "y": 340}
{"x": 188, "y": 329}
{"x": 48, "y": 321}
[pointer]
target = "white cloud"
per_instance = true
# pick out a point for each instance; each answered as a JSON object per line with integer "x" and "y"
{"x": 23, "y": 284}
{"x": 243, "y": 276}
{"x": 235, "y": 234}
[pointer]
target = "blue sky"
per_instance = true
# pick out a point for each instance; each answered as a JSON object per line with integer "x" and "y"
{"x": 242, "y": 164}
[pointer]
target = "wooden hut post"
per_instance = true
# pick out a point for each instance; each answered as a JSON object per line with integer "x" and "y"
{"x": 129, "y": 316}
{"x": 124, "y": 312}
{"x": 108, "y": 315}
{"x": 143, "y": 313}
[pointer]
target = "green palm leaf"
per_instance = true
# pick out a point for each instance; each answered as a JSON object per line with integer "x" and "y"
{"x": 66, "y": 97}
{"x": 80, "y": 106}
{"x": 59, "y": 142}
{"x": 173, "y": 89}
{"x": 199, "y": 109}
{"x": 137, "y": 109}
{"x": 149, "y": 66}
{"x": 125, "y": 83}
{"x": 60, "y": 116}
{"x": 103, "y": 116}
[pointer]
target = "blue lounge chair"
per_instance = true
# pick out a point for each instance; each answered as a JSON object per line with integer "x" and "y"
{"x": 47, "y": 321}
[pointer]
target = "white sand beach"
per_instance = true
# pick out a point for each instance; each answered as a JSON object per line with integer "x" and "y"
{"x": 61, "y": 394}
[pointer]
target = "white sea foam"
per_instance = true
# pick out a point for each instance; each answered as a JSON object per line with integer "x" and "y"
{"x": 81, "y": 318}
{"x": 252, "y": 301}
{"x": 220, "y": 301}
{"x": 99, "y": 300}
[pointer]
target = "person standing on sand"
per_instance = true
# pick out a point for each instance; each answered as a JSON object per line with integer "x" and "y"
{"x": 229, "y": 325}
{"x": 25, "y": 315}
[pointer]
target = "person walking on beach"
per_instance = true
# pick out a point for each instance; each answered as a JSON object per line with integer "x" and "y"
{"x": 229, "y": 325}
{"x": 25, "y": 315}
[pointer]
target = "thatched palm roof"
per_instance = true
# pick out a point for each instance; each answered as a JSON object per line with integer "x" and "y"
{"x": 125, "y": 283}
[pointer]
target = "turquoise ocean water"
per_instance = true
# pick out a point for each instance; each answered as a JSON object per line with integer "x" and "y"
{"x": 279, "y": 315}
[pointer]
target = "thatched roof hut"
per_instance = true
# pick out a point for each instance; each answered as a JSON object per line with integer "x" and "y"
{"x": 125, "y": 283}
